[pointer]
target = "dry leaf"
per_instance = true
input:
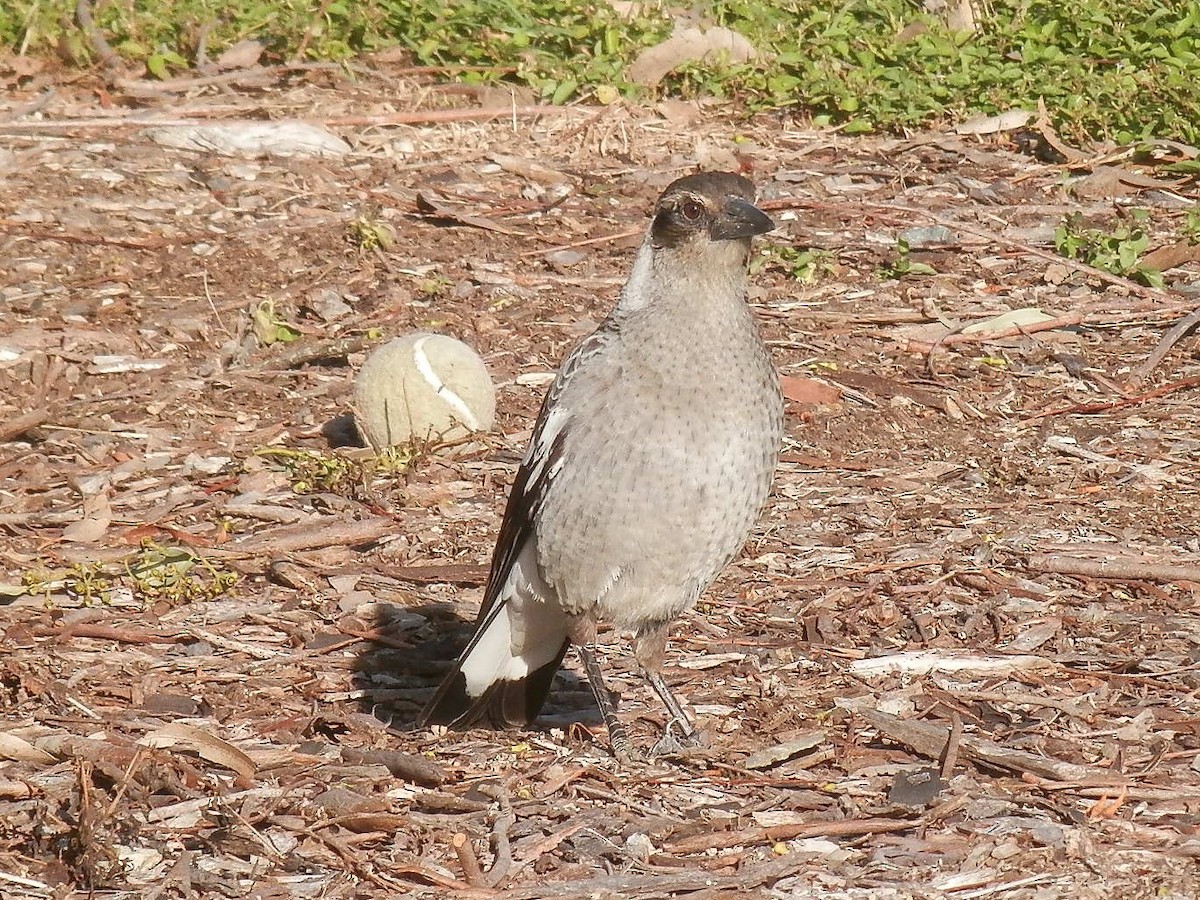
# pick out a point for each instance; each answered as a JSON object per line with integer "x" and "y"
{"x": 1009, "y": 120}
{"x": 207, "y": 746}
{"x": 1016, "y": 318}
{"x": 241, "y": 55}
{"x": 772, "y": 756}
{"x": 1113, "y": 181}
{"x": 20, "y": 750}
{"x": 528, "y": 168}
{"x": 690, "y": 45}
{"x": 1035, "y": 635}
{"x": 1171, "y": 256}
{"x": 808, "y": 390}
{"x": 86, "y": 531}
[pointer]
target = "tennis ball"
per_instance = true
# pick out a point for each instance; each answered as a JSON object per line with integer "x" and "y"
{"x": 425, "y": 387}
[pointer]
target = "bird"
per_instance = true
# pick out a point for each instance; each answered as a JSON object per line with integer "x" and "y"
{"x": 650, "y": 461}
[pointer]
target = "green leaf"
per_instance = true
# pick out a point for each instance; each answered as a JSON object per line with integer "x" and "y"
{"x": 564, "y": 91}
{"x": 269, "y": 328}
{"x": 156, "y": 65}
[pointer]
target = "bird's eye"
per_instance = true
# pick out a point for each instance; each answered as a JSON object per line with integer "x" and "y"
{"x": 691, "y": 210}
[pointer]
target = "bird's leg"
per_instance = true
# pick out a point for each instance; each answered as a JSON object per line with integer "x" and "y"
{"x": 583, "y": 634}
{"x": 651, "y": 646}
{"x": 678, "y": 716}
{"x": 617, "y": 736}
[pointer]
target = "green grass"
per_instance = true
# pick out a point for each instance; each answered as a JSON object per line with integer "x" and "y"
{"x": 1125, "y": 71}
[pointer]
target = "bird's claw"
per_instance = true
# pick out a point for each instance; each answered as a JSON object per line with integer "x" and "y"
{"x": 670, "y": 745}
{"x": 622, "y": 749}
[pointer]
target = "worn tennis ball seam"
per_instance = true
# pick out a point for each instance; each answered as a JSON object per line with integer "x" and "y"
{"x": 453, "y": 400}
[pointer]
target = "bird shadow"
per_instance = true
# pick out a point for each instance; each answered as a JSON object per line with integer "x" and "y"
{"x": 411, "y": 648}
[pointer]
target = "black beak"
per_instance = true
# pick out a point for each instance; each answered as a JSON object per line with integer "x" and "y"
{"x": 740, "y": 219}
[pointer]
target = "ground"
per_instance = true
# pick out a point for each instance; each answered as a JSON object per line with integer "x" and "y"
{"x": 958, "y": 657}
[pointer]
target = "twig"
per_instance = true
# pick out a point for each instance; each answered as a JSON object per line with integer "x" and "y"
{"x": 587, "y": 242}
{"x": 1105, "y": 406}
{"x": 432, "y": 116}
{"x": 35, "y": 105}
{"x": 1068, "y": 447}
{"x": 950, "y": 756}
{"x": 1074, "y": 318}
{"x": 26, "y": 882}
{"x": 502, "y": 864}
{"x": 466, "y": 858}
{"x": 743, "y": 883}
{"x": 929, "y": 740}
{"x": 270, "y": 851}
{"x": 375, "y": 636}
{"x": 46, "y": 234}
{"x": 531, "y": 853}
{"x": 1177, "y": 793}
{"x": 362, "y": 870}
{"x": 307, "y": 537}
{"x": 1169, "y": 340}
{"x": 459, "y": 573}
{"x": 245, "y": 77}
{"x": 723, "y": 840}
{"x": 895, "y": 211}
{"x": 232, "y": 645}
{"x": 310, "y": 30}
{"x": 119, "y": 635}
{"x": 108, "y": 123}
{"x": 1070, "y": 707}
{"x": 450, "y": 70}
{"x": 308, "y": 351}
{"x": 1120, "y": 569}
{"x": 200, "y": 61}
{"x": 108, "y": 57}
{"x": 451, "y": 115}
{"x": 248, "y": 77}
{"x": 1127, "y": 283}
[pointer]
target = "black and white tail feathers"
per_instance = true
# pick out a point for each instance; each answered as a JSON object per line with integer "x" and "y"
{"x": 521, "y": 634}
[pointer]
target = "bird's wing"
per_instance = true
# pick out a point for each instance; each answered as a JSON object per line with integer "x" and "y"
{"x": 519, "y": 700}
{"x": 535, "y": 476}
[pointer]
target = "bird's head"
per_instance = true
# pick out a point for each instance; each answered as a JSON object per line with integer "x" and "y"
{"x": 705, "y": 209}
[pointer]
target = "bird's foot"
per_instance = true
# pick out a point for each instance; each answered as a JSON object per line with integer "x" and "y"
{"x": 670, "y": 745}
{"x": 622, "y": 749}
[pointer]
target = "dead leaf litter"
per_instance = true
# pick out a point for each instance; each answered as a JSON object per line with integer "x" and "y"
{"x": 958, "y": 659}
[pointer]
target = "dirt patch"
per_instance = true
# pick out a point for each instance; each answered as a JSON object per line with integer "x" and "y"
{"x": 203, "y": 626}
